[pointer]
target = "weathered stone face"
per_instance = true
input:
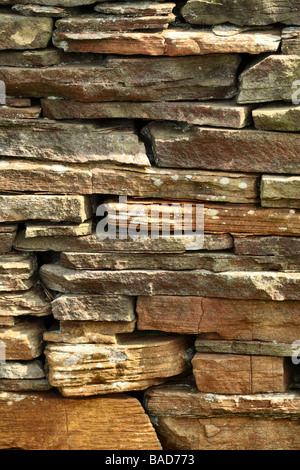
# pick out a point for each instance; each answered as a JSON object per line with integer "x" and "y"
{"x": 137, "y": 79}
{"x": 241, "y": 12}
{"x": 18, "y": 32}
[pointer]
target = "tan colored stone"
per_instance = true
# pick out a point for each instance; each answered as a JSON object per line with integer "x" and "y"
{"x": 23, "y": 341}
{"x": 92, "y": 244}
{"x": 114, "y": 422}
{"x": 24, "y": 385}
{"x": 170, "y": 42}
{"x": 20, "y": 113}
{"x": 259, "y": 348}
{"x": 7, "y": 236}
{"x": 179, "y": 146}
{"x": 19, "y": 32}
{"x": 232, "y": 284}
{"x": 227, "y": 319}
{"x": 22, "y": 370}
{"x": 280, "y": 191}
{"x": 277, "y": 117}
{"x": 47, "y": 140}
{"x": 55, "y": 230}
{"x": 56, "y": 208}
{"x": 211, "y": 113}
{"x": 290, "y": 43}
{"x": 147, "y": 79}
{"x": 261, "y": 246}
{"x": 32, "y": 302}
{"x": 132, "y": 364}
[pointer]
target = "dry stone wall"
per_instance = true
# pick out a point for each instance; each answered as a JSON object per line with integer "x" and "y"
{"x": 179, "y": 342}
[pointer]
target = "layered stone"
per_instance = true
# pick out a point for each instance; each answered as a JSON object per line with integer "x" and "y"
{"x": 97, "y": 308}
{"x": 277, "y": 117}
{"x": 32, "y": 302}
{"x": 9, "y": 112}
{"x": 290, "y": 43}
{"x": 23, "y": 341}
{"x": 232, "y": 284}
{"x": 54, "y": 208}
{"x": 241, "y": 12}
{"x": 19, "y": 32}
{"x": 147, "y": 79}
{"x": 135, "y": 9}
{"x": 256, "y": 348}
{"x": 280, "y": 191}
{"x": 40, "y": 229}
{"x": 133, "y": 364}
{"x": 112, "y": 36}
{"x": 45, "y": 11}
{"x": 239, "y": 374}
{"x": 115, "y": 423}
{"x": 7, "y": 236}
{"x": 93, "y": 244}
{"x": 222, "y": 319}
{"x": 215, "y": 262}
{"x": 211, "y": 113}
{"x": 270, "y": 79}
{"x": 178, "y": 146}
{"x": 40, "y": 58}
{"x": 72, "y": 142}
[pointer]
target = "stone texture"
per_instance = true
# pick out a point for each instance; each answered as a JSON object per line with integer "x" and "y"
{"x": 135, "y": 9}
{"x": 21, "y": 207}
{"x": 55, "y": 230}
{"x": 39, "y": 58}
{"x": 237, "y": 374}
{"x": 19, "y": 32}
{"x": 73, "y": 35}
{"x": 22, "y": 370}
{"x": 100, "y": 308}
{"x": 232, "y": 284}
{"x": 147, "y": 79}
{"x": 222, "y": 319}
{"x": 133, "y": 364}
{"x": 92, "y": 244}
{"x": 280, "y": 191}
{"x": 185, "y": 401}
{"x": 9, "y": 112}
{"x": 23, "y": 341}
{"x": 215, "y": 262}
{"x": 110, "y": 423}
{"x": 179, "y": 146}
{"x": 9, "y": 321}
{"x": 241, "y": 12}
{"x": 7, "y": 236}
{"x": 277, "y": 117}
{"x": 290, "y": 43}
{"x": 18, "y": 265}
{"x": 31, "y": 302}
{"x": 261, "y": 246}
{"x": 270, "y": 79}
{"x": 72, "y": 142}
{"x": 254, "y": 348}
{"x": 45, "y": 11}
{"x": 60, "y": 3}
{"x": 222, "y": 218}
{"x": 24, "y": 385}
{"x": 92, "y": 332}
{"x": 228, "y": 433}
{"x": 211, "y": 113}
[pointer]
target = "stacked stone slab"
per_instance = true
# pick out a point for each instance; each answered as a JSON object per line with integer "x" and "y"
{"x": 184, "y": 104}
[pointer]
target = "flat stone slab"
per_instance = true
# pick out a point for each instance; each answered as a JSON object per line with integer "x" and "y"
{"x": 9, "y": 112}
{"x": 46, "y": 140}
{"x": 181, "y": 146}
{"x": 236, "y": 285}
{"x": 280, "y": 191}
{"x": 40, "y": 229}
{"x": 23, "y": 341}
{"x": 282, "y": 246}
{"x": 114, "y": 422}
{"x": 22, "y": 370}
{"x": 45, "y": 11}
{"x": 256, "y": 348}
{"x": 19, "y": 32}
{"x": 277, "y": 117}
{"x": 54, "y": 208}
{"x": 241, "y": 12}
{"x": 147, "y": 79}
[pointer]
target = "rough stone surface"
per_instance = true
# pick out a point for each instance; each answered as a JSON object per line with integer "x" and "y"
{"x": 133, "y": 364}
{"x": 222, "y": 319}
{"x": 23, "y": 341}
{"x": 101, "y": 308}
{"x": 212, "y": 113}
{"x": 72, "y": 142}
{"x": 22, "y": 370}
{"x": 238, "y": 374}
{"x": 280, "y": 191}
{"x": 20, "y": 113}
{"x": 111, "y": 423}
{"x": 277, "y": 117}
{"x": 23, "y": 207}
{"x": 232, "y": 284}
{"x": 290, "y": 43}
{"x": 147, "y": 79}
{"x": 24, "y": 385}
{"x": 31, "y": 302}
{"x": 241, "y": 12}
{"x": 45, "y": 11}
{"x": 7, "y": 236}
{"x": 261, "y": 246}
{"x": 55, "y": 230}
{"x": 256, "y": 348}
{"x": 19, "y": 32}
{"x": 270, "y": 79}
{"x": 179, "y": 146}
